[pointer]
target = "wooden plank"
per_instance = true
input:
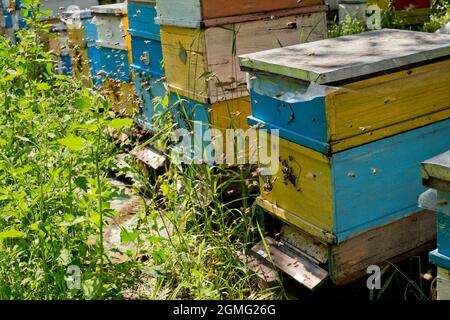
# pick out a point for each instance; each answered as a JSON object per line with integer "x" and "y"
{"x": 392, "y": 242}
{"x": 262, "y": 15}
{"x": 305, "y": 243}
{"x": 296, "y": 220}
{"x": 149, "y": 156}
{"x": 345, "y": 58}
{"x": 266, "y": 273}
{"x": 381, "y": 102}
{"x": 222, "y": 8}
{"x": 185, "y": 61}
{"x": 250, "y": 37}
{"x": 300, "y": 268}
{"x": 437, "y": 168}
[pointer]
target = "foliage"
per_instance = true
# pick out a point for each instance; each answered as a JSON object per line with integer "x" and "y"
{"x": 440, "y": 15}
{"x": 54, "y": 195}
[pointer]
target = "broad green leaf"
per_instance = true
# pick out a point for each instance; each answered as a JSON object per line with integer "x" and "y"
{"x": 72, "y": 142}
{"x": 126, "y": 236}
{"x": 11, "y": 234}
{"x": 120, "y": 123}
{"x": 43, "y": 86}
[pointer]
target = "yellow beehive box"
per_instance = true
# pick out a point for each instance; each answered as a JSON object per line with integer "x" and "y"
{"x": 202, "y": 64}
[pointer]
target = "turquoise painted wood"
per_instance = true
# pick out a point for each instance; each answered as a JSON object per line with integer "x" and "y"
{"x": 7, "y": 14}
{"x": 141, "y": 19}
{"x": 439, "y": 259}
{"x": 114, "y": 63}
{"x": 380, "y": 182}
{"x": 147, "y": 54}
{"x": 194, "y": 117}
{"x": 439, "y": 201}
{"x": 66, "y": 65}
{"x": 186, "y": 13}
{"x": 95, "y": 65}
{"x": 90, "y": 32}
{"x": 148, "y": 87}
{"x": 299, "y": 113}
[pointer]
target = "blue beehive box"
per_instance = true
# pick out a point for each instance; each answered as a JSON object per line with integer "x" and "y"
{"x": 436, "y": 175}
{"x": 114, "y": 63}
{"x": 90, "y": 34}
{"x": 147, "y": 58}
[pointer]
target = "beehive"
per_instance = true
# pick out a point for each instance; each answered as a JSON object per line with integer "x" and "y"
{"x": 195, "y": 13}
{"x": 201, "y": 64}
{"x": 436, "y": 175}
{"x": 147, "y": 58}
{"x": 78, "y": 44}
{"x": 59, "y": 46}
{"x": 334, "y": 197}
{"x": 337, "y": 94}
{"x": 112, "y": 28}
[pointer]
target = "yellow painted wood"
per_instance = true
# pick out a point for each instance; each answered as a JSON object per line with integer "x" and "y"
{"x": 231, "y": 114}
{"x": 203, "y": 65}
{"x": 302, "y": 187}
{"x": 78, "y": 55}
{"x": 382, "y": 4}
{"x": 185, "y": 61}
{"x": 127, "y": 40}
{"x": 121, "y": 96}
{"x": 296, "y": 220}
{"x": 386, "y": 105}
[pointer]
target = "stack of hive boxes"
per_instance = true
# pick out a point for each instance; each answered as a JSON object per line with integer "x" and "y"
{"x": 79, "y": 31}
{"x": 201, "y": 40}
{"x": 147, "y": 58}
{"x": 59, "y": 46}
{"x": 436, "y": 175}
{"x": 9, "y": 22}
{"x": 356, "y": 116}
{"x": 114, "y": 53}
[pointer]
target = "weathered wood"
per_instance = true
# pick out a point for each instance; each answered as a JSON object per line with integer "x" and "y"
{"x": 443, "y": 284}
{"x": 149, "y": 156}
{"x": 345, "y": 58}
{"x": 203, "y": 65}
{"x": 299, "y": 267}
{"x": 437, "y": 168}
{"x": 262, "y": 15}
{"x": 267, "y": 275}
{"x": 392, "y": 242}
{"x": 193, "y": 13}
{"x": 302, "y": 241}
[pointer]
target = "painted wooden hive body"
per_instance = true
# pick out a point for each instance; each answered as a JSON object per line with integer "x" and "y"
{"x": 336, "y": 94}
{"x": 59, "y": 45}
{"x": 113, "y": 40}
{"x": 407, "y": 12}
{"x": 401, "y": 4}
{"x": 436, "y": 175}
{"x": 93, "y": 52}
{"x": 78, "y": 44}
{"x": 338, "y": 196}
{"x": 147, "y": 58}
{"x": 443, "y": 284}
{"x": 202, "y": 119}
{"x": 195, "y": 13}
{"x": 202, "y": 64}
